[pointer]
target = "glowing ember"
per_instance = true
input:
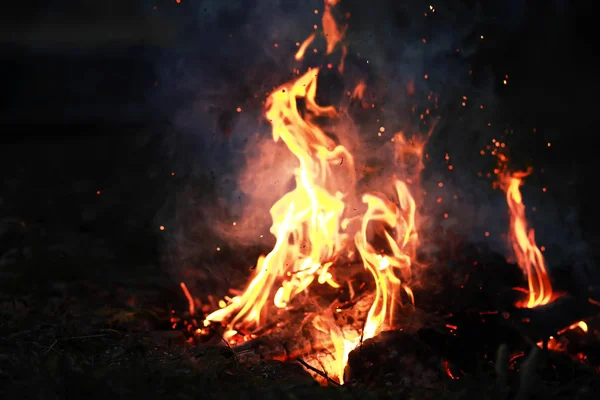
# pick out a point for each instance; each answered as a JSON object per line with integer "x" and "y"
{"x": 559, "y": 344}
{"x": 448, "y": 371}
{"x": 581, "y": 325}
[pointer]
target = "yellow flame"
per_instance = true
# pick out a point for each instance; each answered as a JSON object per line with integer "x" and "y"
{"x": 307, "y": 223}
{"x": 306, "y": 220}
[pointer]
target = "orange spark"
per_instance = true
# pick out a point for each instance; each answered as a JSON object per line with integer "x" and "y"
{"x": 300, "y": 53}
{"x": 189, "y": 298}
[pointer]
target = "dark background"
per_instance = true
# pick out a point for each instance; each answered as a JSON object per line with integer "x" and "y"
{"x": 137, "y": 100}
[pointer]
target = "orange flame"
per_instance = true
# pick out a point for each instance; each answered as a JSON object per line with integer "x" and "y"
{"x": 359, "y": 90}
{"x": 333, "y": 32}
{"x": 528, "y": 255}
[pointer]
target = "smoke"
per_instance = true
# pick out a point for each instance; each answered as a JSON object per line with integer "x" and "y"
{"x": 215, "y": 84}
{"x": 424, "y": 65}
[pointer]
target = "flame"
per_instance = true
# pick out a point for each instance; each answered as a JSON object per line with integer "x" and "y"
{"x": 359, "y": 90}
{"x": 333, "y": 32}
{"x": 385, "y": 214}
{"x": 309, "y": 223}
{"x": 528, "y": 255}
{"x": 306, "y": 220}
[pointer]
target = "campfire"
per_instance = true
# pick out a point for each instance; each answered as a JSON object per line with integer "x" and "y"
{"x": 347, "y": 265}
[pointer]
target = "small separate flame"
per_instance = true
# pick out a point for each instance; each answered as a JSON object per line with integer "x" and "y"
{"x": 522, "y": 238}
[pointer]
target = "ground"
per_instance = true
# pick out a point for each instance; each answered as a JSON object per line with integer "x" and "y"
{"x": 78, "y": 338}
{"x": 64, "y": 335}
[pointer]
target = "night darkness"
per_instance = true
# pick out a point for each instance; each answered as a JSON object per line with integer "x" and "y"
{"x": 121, "y": 142}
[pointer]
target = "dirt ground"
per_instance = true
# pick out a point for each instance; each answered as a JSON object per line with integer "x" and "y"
{"x": 65, "y": 333}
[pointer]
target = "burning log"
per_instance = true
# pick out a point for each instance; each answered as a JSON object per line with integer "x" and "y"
{"x": 395, "y": 356}
{"x": 315, "y": 350}
{"x": 294, "y": 335}
{"x": 542, "y": 322}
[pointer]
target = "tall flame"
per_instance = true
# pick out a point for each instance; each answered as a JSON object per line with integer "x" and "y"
{"x": 307, "y": 223}
{"x": 306, "y": 220}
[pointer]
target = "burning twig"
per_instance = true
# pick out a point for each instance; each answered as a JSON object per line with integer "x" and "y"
{"x": 51, "y": 347}
{"x": 234, "y": 354}
{"x": 316, "y": 371}
{"x": 88, "y": 336}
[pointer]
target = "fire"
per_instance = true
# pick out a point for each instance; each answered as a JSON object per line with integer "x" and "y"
{"x": 316, "y": 229}
{"x": 312, "y": 224}
{"x": 522, "y": 238}
{"x": 555, "y": 343}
